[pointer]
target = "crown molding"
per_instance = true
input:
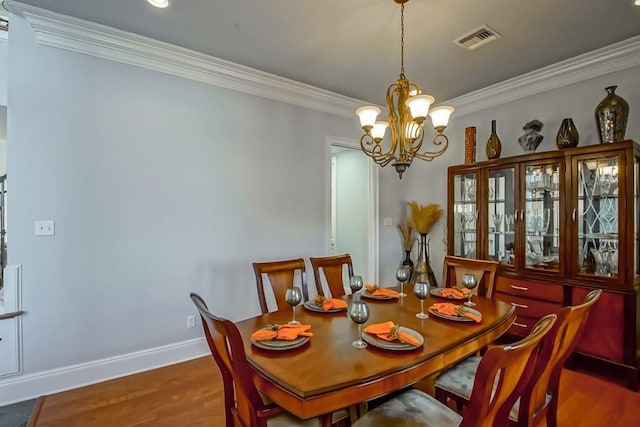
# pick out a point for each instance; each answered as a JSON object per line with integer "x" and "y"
{"x": 77, "y": 35}
{"x": 609, "y": 59}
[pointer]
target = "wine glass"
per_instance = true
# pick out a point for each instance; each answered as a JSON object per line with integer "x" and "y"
{"x": 293, "y": 296}
{"x": 402, "y": 274}
{"x": 359, "y": 313}
{"x": 356, "y": 283}
{"x": 469, "y": 281}
{"x": 421, "y": 289}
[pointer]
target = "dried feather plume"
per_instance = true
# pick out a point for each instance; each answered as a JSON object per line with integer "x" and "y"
{"x": 407, "y": 234}
{"x": 423, "y": 217}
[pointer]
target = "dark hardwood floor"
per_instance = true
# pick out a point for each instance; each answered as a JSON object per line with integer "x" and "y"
{"x": 190, "y": 394}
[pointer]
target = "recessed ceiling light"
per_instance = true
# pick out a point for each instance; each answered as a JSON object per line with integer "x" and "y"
{"x": 159, "y": 3}
{"x": 636, "y": 2}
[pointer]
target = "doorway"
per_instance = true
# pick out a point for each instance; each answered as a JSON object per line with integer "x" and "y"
{"x": 354, "y": 207}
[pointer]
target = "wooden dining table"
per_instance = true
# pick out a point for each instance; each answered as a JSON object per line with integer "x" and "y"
{"x": 327, "y": 373}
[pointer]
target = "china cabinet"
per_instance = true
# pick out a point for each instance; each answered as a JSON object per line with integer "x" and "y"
{"x": 560, "y": 223}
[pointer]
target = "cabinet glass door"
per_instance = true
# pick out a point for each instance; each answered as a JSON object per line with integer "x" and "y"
{"x": 465, "y": 215}
{"x": 541, "y": 216}
{"x": 597, "y": 216}
{"x": 501, "y": 215}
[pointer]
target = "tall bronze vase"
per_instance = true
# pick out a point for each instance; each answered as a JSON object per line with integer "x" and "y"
{"x": 423, "y": 271}
{"x": 494, "y": 147}
{"x": 567, "y": 134}
{"x": 611, "y": 116}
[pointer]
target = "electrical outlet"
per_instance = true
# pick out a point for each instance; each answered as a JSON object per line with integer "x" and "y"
{"x": 191, "y": 321}
{"x": 45, "y": 228}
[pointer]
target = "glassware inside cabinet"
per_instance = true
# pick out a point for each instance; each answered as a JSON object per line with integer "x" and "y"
{"x": 598, "y": 236}
{"x": 465, "y": 215}
{"x": 501, "y": 215}
{"x": 542, "y": 216}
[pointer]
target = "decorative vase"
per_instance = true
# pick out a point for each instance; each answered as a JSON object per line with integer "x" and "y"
{"x": 531, "y": 138}
{"x": 423, "y": 272}
{"x": 611, "y": 116}
{"x": 407, "y": 262}
{"x": 494, "y": 147}
{"x": 567, "y": 134}
{"x": 469, "y": 145}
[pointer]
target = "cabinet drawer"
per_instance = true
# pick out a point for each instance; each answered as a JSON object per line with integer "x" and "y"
{"x": 530, "y": 289}
{"x": 522, "y": 326}
{"x": 529, "y": 307}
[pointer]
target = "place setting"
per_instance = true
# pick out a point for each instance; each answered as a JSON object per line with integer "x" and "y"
{"x": 391, "y": 336}
{"x": 321, "y": 304}
{"x": 379, "y": 293}
{"x": 284, "y": 337}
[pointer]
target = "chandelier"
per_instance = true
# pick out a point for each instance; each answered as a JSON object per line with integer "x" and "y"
{"x": 408, "y": 108}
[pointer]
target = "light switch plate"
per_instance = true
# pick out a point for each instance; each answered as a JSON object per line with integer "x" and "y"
{"x": 45, "y": 228}
{"x": 388, "y": 222}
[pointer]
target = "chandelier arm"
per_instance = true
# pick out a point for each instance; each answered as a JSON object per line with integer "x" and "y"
{"x": 373, "y": 149}
{"x": 439, "y": 139}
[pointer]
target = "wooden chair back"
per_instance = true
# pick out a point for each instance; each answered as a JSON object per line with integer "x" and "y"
{"x": 281, "y": 275}
{"x": 243, "y": 405}
{"x": 540, "y": 400}
{"x": 502, "y": 376}
{"x": 484, "y": 270}
{"x": 332, "y": 268}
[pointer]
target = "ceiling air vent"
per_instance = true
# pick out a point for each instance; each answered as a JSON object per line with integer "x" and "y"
{"x": 478, "y": 37}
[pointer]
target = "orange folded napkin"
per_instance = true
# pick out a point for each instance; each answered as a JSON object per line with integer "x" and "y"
{"x": 377, "y": 291}
{"x": 389, "y": 331}
{"x": 282, "y": 332}
{"x": 455, "y": 310}
{"x": 453, "y": 293}
{"x": 333, "y": 304}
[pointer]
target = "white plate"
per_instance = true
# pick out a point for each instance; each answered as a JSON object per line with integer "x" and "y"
{"x": 456, "y": 318}
{"x": 312, "y": 306}
{"x": 280, "y": 344}
{"x": 435, "y": 293}
{"x": 393, "y": 345}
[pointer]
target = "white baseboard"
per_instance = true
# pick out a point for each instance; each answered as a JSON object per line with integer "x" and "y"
{"x": 29, "y": 386}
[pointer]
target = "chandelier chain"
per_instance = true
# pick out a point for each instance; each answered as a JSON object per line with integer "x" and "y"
{"x": 402, "y": 40}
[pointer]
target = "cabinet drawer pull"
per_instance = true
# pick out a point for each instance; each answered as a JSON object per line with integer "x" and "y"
{"x": 515, "y": 304}
{"x": 519, "y": 288}
{"x": 573, "y": 215}
{"x": 520, "y": 325}
{"x": 515, "y": 215}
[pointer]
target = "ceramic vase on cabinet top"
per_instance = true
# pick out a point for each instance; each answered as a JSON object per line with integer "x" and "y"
{"x": 494, "y": 146}
{"x": 568, "y": 136}
{"x": 611, "y": 117}
{"x": 532, "y": 137}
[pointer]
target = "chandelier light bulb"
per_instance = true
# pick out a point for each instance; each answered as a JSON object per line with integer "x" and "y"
{"x": 379, "y": 129}
{"x": 368, "y": 115}
{"x": 419, "y": 106}
{"x": 159, "y": 3}
{"x": 440, "y": 116}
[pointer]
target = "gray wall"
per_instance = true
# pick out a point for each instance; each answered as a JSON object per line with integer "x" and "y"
{"x": 158, "y": 186}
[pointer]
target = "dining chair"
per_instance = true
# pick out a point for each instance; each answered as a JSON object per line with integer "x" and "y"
{"x": 244, "y": 406}
{"x": 484, "y": 270}
{"x": 540, "y": 399}
{"x": 281, "y": 275}
{"x": 502, "y": 375}
{"x": 332, "y": 268}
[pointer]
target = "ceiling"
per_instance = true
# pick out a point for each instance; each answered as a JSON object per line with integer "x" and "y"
{"x": 352, "y": 47}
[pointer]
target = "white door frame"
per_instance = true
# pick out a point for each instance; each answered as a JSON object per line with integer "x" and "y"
{"x": 373, "y": 215}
